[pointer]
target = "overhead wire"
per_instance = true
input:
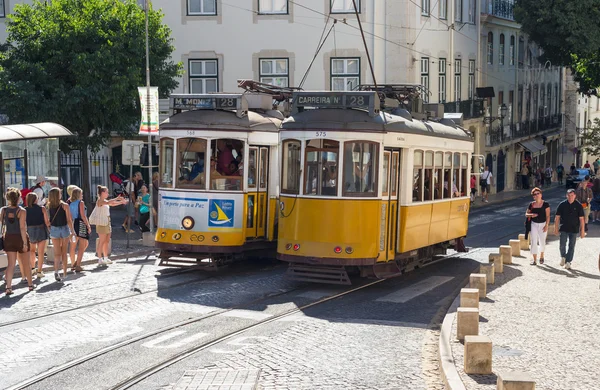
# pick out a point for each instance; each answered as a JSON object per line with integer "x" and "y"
{"x": 318, "y": 49}
{"x": 424, "y": 24}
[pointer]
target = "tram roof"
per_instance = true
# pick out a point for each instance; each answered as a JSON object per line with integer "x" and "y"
{"x": 225, "y": 120}
{"x": 360, "y": 120}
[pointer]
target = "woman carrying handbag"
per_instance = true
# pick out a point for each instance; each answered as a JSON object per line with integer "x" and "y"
{"x": 82, "y": 229}
{"x": 101, "y": 218}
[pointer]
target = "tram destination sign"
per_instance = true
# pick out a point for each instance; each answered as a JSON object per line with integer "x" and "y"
{"x": 363, "y": 99}
{"x": 192, "y": 102}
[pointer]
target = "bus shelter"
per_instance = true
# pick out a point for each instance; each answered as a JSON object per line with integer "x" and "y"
{"x": 28, "y": 151}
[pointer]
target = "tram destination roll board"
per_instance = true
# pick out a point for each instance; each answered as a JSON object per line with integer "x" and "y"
{"x": 328, "y": 99}
{"x": 189, "y": 102}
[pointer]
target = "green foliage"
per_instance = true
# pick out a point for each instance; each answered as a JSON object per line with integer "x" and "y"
{"x": 568, "y": 31}
{"x": 79, "y": 63}
{"x": 591, "y": 139}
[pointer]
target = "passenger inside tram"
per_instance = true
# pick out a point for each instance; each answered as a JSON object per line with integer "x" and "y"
{"x": 228, "y": 165}
{"x": 191, "y": 162}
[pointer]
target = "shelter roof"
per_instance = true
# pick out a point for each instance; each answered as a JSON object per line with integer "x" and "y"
{"x": 32, "y": 131}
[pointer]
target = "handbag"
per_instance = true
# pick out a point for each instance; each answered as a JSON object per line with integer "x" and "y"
{"x": 2, "y": 231}
{"x": 99, "y": 216}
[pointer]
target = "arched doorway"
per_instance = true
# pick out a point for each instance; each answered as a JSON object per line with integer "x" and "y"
{"x": 500, "y": 172}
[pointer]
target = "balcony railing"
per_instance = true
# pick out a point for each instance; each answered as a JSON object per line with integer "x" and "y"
{"x": 498, "y": 135}
{"x": 501, "y": 8}
{"x": 469, "y": 108}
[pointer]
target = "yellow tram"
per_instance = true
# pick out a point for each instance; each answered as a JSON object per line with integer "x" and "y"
{"x": 367, "y": 190}
{"x": 218, "y": 178}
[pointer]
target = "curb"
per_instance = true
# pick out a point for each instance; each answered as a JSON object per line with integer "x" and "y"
{"x": 479, "y": 204}
{"x": 448, "y": 368}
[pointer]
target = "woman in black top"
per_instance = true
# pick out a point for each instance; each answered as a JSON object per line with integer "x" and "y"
{"x": 37, "y": 228}
{"x": 538, "y": 212}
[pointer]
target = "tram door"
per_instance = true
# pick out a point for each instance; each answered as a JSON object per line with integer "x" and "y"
{"x": 256, "y": 211}
{"x": 391, "y": 161}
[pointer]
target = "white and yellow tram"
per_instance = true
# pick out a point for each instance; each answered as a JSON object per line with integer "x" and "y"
{"x": 218, "y": 177}
{"x": 368, "y": 190}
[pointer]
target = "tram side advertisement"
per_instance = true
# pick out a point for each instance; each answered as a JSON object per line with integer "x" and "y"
{"x": 200, "y": 212}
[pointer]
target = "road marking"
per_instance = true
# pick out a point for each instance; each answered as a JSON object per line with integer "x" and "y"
{"x": 241, "y": 341}
{"x": 178, "y": 343}
{"x": 414, "y": 290}
{"x": 246, "y": 314}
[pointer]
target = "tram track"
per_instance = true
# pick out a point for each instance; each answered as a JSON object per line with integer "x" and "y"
{"x": 136, "y": 294}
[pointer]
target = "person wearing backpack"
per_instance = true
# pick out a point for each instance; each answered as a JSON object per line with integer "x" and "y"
{"x": 485, "y": 182}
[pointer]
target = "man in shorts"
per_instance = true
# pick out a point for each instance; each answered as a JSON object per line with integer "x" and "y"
{"x": 486, "y": 181}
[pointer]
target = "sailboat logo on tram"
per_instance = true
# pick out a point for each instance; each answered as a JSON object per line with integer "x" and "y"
{"x": 221, "y": 213}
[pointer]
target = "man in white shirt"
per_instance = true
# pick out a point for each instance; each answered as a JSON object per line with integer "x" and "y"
{"x": 40, "y": 182}
{"x": 486, "y": 177}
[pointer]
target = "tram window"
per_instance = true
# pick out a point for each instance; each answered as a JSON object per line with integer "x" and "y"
{"x": 438, "y": 180}
{"x": 264, "y": 167}
{"x": 394, "y": 177}
{"x": 321, "y": 163}
{"x": 252, "y": 159}
{"x": 226, "y": 165}
{"x": 360, "y": 168}
{"x": 465, "y": 182}
{"x": 290, "y": 180}
{"x": 166, "y": 162}
{"x": 386, "y": 171}
{"x": 428, "y": 185}
{"x": 417, "y": 195}
{"x": 191, "y": 157}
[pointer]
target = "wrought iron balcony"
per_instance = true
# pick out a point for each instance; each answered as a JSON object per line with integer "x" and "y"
{"x": 500, "y": 8}
{"x": 469, "y": 108}
{"x": 496, "y": 135}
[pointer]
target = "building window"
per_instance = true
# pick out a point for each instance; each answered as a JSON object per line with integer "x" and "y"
{"x": 344, "y": 6}
{"x": 472, "y": 11}
{"x": 425, "y": 7}
{"x": 345, "y": 74}
{"x": 511, "y": 99}
{"x": 556, "y": 111}
{"x": 202, "y": 7}
{"x": 490, "y": 48}
{"x": 275, "y": 71}
{"x": 203, "y": 76}
{"x": 501, "y": 50}
{"x": 2, "y": 12}
{"x": 542, "y": 108}
{"x": 471, "y": 86}
{"x": 458, "y": 10}
{"x": 549, "y": 100}
{"x": 511, "y": 51}
{"x": 442, "y": 81}
{"x": 272, "y": 7}
{"x": 443, "y": 10}
{"x": 521, "y": 52}
{"x": 457, "y": 80}
{"x": 425, "y": 79}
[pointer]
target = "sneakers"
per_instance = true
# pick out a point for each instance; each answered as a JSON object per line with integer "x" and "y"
{"x": 568, "y": 265}
{"x": 107, "y": 260}
{"x": 562, "y": 261}
{"x": 101, "y": 261}
{"x": 57, "y": 277}
{"x": 40, "y": 275}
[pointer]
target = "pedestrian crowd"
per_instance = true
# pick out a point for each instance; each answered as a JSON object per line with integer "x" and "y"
{"x": 30, "y": 219}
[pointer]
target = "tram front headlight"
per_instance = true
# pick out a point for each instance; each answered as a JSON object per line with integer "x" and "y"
{"x": 349, "y": 250}
{"x": 163, "y": 234}
{"x": 215, "y": 238}
{"x": 288, "y": 247}
{"x": 188, "y": 223}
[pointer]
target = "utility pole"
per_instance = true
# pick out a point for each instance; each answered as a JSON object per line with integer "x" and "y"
{"x": 147, "y": 10}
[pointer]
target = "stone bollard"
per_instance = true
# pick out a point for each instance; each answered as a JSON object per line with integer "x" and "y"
{"x": 488, "y": 270}
{"x": 467, "y": 322}
{"x": 469, "y": 297}
{"x": 496, "y": 259}
{"x": 506, "y": 253}
{"x": 478, "y": 281}
{"x": 514, "y": 380}
{"x": 515, "y": 246}
{"x": 523, "y": 242}
{"x": 478, "y": 355}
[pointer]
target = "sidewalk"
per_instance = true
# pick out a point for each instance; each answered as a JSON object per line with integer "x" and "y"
{"x": 543, "y": 320}
{"x": 509, "y": 195}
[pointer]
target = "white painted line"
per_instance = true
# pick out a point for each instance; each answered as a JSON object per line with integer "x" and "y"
{"x": 247, "y": 314}
{"x": 177, "y": 343}
{"x": 414, "y": 290}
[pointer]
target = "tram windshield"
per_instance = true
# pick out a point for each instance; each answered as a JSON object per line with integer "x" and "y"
{"x": 226, "y": 165}
{"x": 321, "y": 167}
{"x": 166, "y": 162}
{"x": 360, "y": 168}
{"x": 191, "y": 157}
